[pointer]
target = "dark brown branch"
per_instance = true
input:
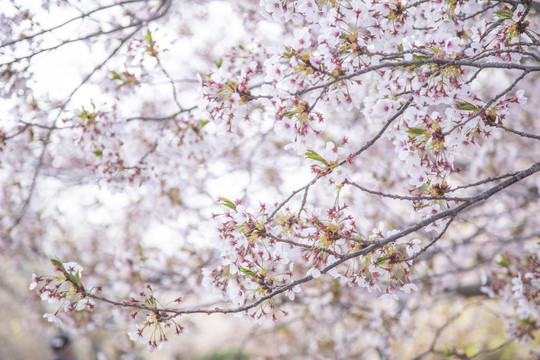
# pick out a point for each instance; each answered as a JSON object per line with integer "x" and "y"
{"x": 61, "y": 108}
{"x": 484, "y": 181}
{"x": 358, "y": 152}
{"x": 520, "y": 133}
{"x": 423, "y": 250}
{"x": 377, "y": 244}
{"x": 383, "y": 129}
{"x": 80, "y": 17}
{"x": 429, "y": 61}
{"x": 137, "y": 25}
{"x": 488, "y": 103}
{"x": 401, "y": 197}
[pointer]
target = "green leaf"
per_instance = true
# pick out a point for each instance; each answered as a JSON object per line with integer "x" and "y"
{"x": 228, "y": 203}
{"x": 504, "y": 14}
{"x": 148, "y": 37}
{"x": 463, "y": 105}
{"x": 367, "y": 261}
{"x": 98, "y": 153}
{"x": 448, "y": 352}
{"x": 504, "y": 262}
{"x": 84, "y": 114}
{"x": 218, "y": 63}
{"x": 416, "y": 131}
{"x": 381, "y": 260}
{"x": 150, "y": 302}
{"x": 202, "y": 123}
{"x": 400, "y": 47}
{"x": 76, "y": 278}
{"x": 310, "y": 154}
{"x": 116, "y": 76}
{"x": 288, "y": 114}
{"x": 248, "y": 272}
{"x": 289, "y": 53}
{"x": 58, "y": 263}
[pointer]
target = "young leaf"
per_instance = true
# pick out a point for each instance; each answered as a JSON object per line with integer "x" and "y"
{"x": 463, "y": 105}
{"x": 504, "y": 14}
{"x": 150, "y": 301}
{"x": 228, "y": 203}
{"x": 84, "y": 114}
{"x": 76, "y": 278}
{"x": 288, "y": 53}
{"x": 116, "y": 76}
{"x": 248, "y": 272}
{"x": 448, "y": 352}
{"x": 416, "y": 131}
{"x": 58, "y": 264}
{"x": 504, "y": 262}
{"x": 310, "y": 154}
{"x": 288, "y": 114}
{"x": 148, "y": 37}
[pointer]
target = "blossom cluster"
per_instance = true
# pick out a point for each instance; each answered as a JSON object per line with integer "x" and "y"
{"x": 517, "y": 281}
{"x": 369, "y": 147}
{"x": 64, "y": 288}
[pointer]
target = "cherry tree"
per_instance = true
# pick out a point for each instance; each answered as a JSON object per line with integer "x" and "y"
{"x": 341, "y": 168}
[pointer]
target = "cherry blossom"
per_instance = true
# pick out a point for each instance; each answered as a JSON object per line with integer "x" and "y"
{"x": 354, "y": 164}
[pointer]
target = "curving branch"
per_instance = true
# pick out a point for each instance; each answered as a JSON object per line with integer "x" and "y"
{"x": 450, "y": 213}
